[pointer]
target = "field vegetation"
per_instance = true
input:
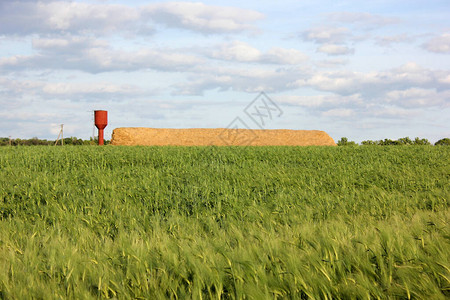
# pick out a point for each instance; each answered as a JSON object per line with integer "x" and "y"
{"x": 225, "y": 222}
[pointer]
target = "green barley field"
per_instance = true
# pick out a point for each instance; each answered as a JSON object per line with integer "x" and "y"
{"x": 364, "y": 222}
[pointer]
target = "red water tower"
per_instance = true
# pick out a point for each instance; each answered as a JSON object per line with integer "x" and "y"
{"x": 101, "y": 120}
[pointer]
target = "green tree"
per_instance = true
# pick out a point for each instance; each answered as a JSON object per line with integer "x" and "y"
{"x": 405, "y": 141}
{"x": 418, "y": 141}
{"x": 370, "y": 143}
{"x": 443, "y": 142}
{"x": 345, "y": 142}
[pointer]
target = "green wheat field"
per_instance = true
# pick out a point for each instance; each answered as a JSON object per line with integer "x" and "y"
{"x": 364, "y": 222}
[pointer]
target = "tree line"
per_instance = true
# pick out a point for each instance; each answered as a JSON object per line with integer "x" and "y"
{"x": 94, "y": 141}
{"x": 42, "y": 142}
{"x": 388, "y": 142}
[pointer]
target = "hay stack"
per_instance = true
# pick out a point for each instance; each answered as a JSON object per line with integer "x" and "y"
{"x": 219, "y": 137}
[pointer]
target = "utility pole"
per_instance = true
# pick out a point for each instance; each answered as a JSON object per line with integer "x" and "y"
{"x": 60, "y": 135}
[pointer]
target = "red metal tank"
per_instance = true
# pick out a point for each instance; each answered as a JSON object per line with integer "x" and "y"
{"x": 101, "y": 120}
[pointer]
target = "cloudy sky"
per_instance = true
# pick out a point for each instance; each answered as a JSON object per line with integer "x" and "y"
{"x": 360, "y": 69}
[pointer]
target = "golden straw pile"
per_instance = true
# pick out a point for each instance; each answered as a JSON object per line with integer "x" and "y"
{"x": 133, "y": 136}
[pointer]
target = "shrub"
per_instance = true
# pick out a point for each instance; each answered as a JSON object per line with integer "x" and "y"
{"x": 345, "y": 142}
{"x": 443, "y": 142}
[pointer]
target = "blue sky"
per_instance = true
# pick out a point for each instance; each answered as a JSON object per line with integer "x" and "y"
{"x": 359, "y": 69}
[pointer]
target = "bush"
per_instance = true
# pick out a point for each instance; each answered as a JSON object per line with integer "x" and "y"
{"x": 4, "y": 141}
{"x": 405, "y": 141}
{"x": 369, "y": 143}
{"x": 401, "y": 141}
{"x": 443, "y": 142}
{"x": 418, "y": 141}
{"x": 345, "y": 142}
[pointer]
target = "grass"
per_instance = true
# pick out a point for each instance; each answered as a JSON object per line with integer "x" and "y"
{"x": 225, "y": 222}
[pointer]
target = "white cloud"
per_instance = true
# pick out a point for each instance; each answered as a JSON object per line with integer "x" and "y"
{"x": 388, "y": 40}
{"x": 95, "y": 56}
{"x": 376, "y": 83}
{"x": 339, "y": 112}
{"x": 74, "y": 91}
{"x": 67, "y": 44}
{"x": 419, "y": 97}
{"x": 410, "y": 73}
{"x": 69, "y": 17}
{"x": 392, "y": 112}
{"x": 66, "y": 17}
{"x": 158, "y": 59}
{"x": 327, "y": 35}
{"x": 321, "y": 101}
{"x": 238, "y": 51}
{"x": 200, "y": 17}
{"x": 12, "y": 60}
{"x": 285, "y": 56}
{"x": 346, "y": 86}
{"x": 331, "y": 63}
{"x": 88, "y": 88}
{"x": 331, "y": 49}
{"x": 342, "y": 82}
{"x": 393, "y": 104}
{"x": 245, "y": 79}
{"x": 243, "y": 52}
{"x": 25, "y": 116}
{"x": 362, "y": 19}
{"x": 444, "y": 79}
{"x": 440, "y": 44}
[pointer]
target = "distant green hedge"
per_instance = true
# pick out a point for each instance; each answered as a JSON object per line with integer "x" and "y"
{"x": 387, "y": 142}
{"x": 38, "y": 142}
{"x": 342, "y": 142}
